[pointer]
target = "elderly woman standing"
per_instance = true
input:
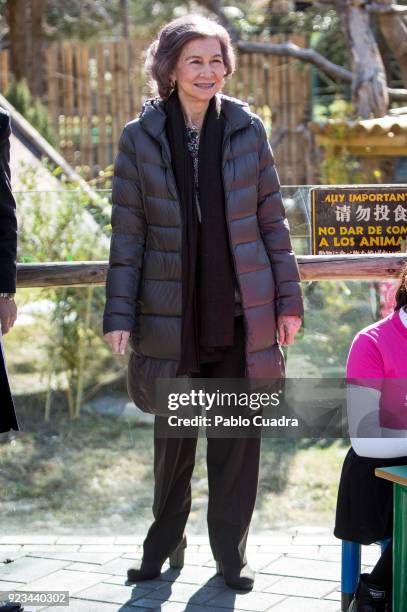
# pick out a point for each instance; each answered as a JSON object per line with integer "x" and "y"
{"x": 201, "y": 278}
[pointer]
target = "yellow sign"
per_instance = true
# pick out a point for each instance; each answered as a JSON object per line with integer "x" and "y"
{"x": 358, "y": 220}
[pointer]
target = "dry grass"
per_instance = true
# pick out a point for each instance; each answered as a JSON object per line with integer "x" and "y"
{"x": 94, "y": 475}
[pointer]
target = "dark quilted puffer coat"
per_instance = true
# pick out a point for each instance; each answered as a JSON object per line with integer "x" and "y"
{"x": 144, "y": 279}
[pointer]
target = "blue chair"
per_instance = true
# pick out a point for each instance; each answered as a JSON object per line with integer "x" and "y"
{"x": 351, "y": 565}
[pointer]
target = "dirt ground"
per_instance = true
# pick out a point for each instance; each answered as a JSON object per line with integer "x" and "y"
{"x": 94, "y": 475}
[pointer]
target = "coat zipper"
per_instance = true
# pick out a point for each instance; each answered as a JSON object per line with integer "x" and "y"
{"x": 234, "y": 257}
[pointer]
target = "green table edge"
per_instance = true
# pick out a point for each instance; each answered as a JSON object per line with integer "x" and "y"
{"x": 396, "y": 471}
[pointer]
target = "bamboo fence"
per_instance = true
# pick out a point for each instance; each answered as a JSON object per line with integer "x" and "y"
{"x": 92, "y": 90}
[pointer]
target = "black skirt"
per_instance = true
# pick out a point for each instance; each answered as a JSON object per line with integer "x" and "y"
{"x": 364, "y": 510}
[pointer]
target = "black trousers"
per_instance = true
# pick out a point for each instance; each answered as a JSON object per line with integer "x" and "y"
{"x": 233, "y": 469}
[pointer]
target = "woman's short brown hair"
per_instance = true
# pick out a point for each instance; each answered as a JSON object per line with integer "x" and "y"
{"x": 163, "y": 53}
{"x": 401, "y": 293}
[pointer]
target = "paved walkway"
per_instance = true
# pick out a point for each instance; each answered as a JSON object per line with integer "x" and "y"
{"x": 296, "y": 572}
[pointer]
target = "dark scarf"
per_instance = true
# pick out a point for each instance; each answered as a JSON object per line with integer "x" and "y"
{"x": 207, "y": 270}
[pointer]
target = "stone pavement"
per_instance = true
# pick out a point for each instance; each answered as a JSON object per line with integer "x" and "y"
{"x": 297, "y": 571}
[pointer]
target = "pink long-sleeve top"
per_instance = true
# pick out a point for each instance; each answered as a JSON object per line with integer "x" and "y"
{"x": 378, "y": 360}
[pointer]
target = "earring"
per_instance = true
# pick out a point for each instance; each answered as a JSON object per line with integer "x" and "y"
{"x": 172, "y": 84}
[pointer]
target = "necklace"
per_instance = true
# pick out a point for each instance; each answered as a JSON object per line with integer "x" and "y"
{"x": 194, "y": 127}
{"x": 191, "y": 125}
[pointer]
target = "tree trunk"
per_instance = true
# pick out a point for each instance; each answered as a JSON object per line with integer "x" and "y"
{"x": 394, "y": 31}
{"x": 386, "y": 54}
{"x": 37, "y": 50}
{"x": 281, "y": 7}
{"x": 124, "y": 17}
{"x": 310, "y": 56}
{"x": 216, "y": 8}
{"x": 16, "y": 18}
{"x": 369, "y": 86}
{"x": 276, "y": 10}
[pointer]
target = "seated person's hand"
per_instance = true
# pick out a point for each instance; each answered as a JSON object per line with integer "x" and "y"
{"x": 8, "y": 314}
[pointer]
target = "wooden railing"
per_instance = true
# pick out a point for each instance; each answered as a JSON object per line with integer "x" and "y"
{"x": 312, "y": 268}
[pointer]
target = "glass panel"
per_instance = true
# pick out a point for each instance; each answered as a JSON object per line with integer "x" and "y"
{"x": 89, "y": 467}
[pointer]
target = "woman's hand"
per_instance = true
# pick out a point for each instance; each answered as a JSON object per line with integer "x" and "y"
{"x": 287, "y": 325}
{"x": 118, "y": 341}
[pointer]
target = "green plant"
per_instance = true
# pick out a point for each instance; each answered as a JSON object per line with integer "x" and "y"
{"x": 58, "y": 226}
{"x": 334, "y": 312}
{"x": 19, "y": 95}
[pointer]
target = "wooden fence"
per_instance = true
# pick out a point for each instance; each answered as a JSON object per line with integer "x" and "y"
{"x": 92, "y": 90}
{"x": 311, "y": 267}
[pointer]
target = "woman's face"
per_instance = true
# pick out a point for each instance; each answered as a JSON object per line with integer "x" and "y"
{"x": 200, "y": 70}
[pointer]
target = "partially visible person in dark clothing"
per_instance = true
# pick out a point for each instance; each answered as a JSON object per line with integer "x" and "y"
{"x": 8, "y": 309}
{"x": 8, "y": 248}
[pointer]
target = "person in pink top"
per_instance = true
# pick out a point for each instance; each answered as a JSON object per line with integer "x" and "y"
{"x": 376, "y": 375}
{"x": 377, "y": 357}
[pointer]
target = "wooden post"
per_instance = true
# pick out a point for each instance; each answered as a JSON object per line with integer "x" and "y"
{"x": 87, "y": 106}
{"x": 300, "y": 93}
{"x": 68, "y": 101}
{"x": 125, "y": 64}
{"x": 37, "y": 48}
{"x": 279, "y": 122}
{"x": 62, "y": 101}
{"x": 109, "y": 104}
{"x": 101, "y": 103}
{"x": 51, "y": 58}
{"x": 4, "y": 70}
{"x": 255, "y": 82}
{"x": 261, "y": 89}
{"x": 124, "y": 14}
{"x": 80, "y": 106}
{"x": 291, "y": 99}
{"x": 136, "y": 81}
{"x": 114, "y": 95}
{"x": 250, "y": 80}
{"x": 16, "y": 11}
{"x": 120, "y": 84}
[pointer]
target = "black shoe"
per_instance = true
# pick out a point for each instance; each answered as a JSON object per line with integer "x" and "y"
{"x": 369, "y": 598}
{"x": 241, "y": 579}
{"x": 148, "y": 570}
